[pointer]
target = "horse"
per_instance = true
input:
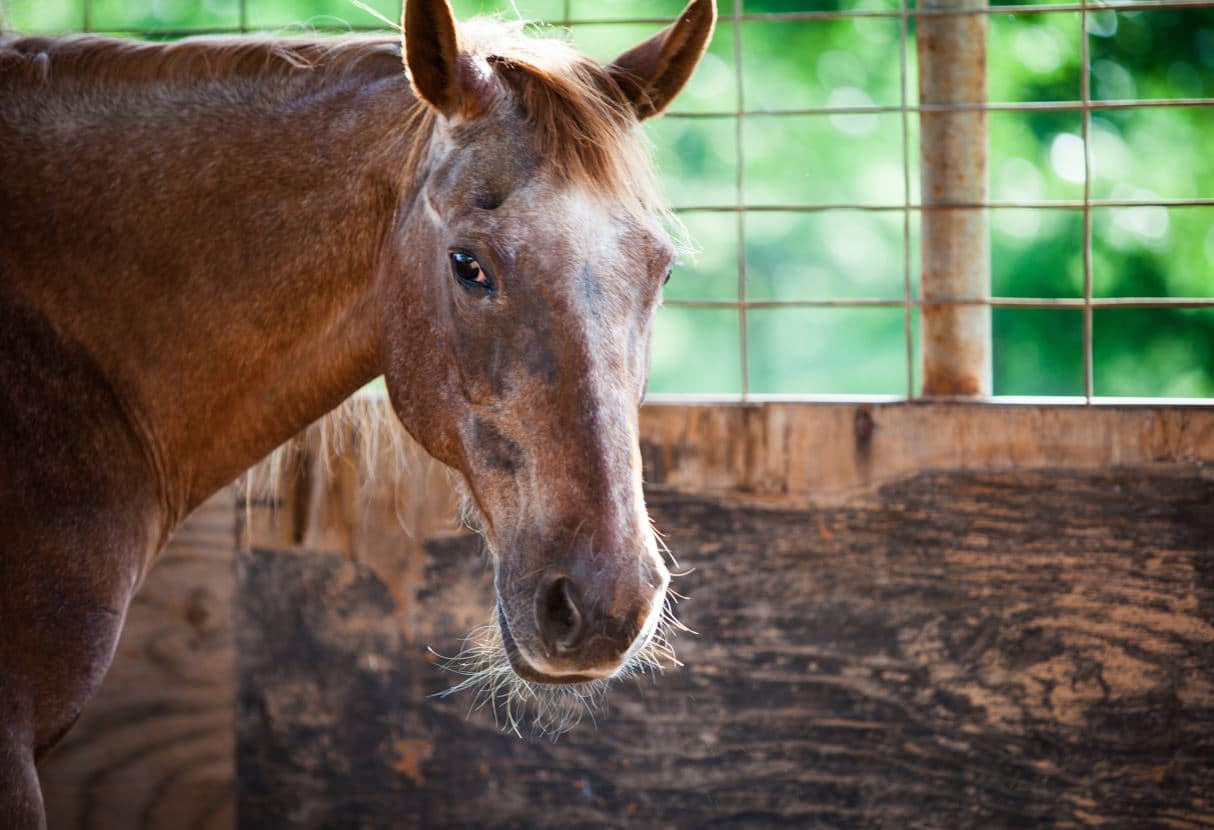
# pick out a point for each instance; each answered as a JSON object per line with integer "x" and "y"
{"x": 207, "y": 245}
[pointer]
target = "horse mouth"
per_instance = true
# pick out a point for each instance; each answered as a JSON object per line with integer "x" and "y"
{"x": 524, "y": 669}
{"x": 502, "y": 679}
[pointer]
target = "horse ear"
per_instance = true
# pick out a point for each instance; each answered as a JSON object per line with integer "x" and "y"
{"x": 432, "y": 54}
{"x": 654, "y": 72}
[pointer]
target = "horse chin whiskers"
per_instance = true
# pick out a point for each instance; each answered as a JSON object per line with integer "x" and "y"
{"x": 519, "y": 704}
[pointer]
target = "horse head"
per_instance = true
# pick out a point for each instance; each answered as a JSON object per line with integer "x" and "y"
{"x": 518, "y": 292}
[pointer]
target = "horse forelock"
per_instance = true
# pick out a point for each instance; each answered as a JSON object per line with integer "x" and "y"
{"x": 581, "y": 122}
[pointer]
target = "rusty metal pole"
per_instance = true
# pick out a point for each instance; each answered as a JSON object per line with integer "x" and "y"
{"x": 956, "y": 338}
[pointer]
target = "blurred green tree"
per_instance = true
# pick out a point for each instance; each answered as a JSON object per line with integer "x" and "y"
{"x": 857, "y": 158}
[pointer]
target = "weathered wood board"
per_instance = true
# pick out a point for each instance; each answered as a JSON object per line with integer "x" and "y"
{"x": 802, "y": 455}
{"x": 974, "y": 649}
{"x": 155, "y": 747}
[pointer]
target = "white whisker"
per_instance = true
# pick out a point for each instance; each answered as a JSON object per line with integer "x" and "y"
{"x": 546, "y": 709}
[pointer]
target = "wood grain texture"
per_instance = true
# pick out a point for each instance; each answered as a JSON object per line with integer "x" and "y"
{"x": 800, "y": 454}
{"x": 155, "y": 748}
{"x": 972, "y": 649}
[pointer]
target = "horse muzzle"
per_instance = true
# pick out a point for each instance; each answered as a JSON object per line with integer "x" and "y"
{"x": 571, "y": 632}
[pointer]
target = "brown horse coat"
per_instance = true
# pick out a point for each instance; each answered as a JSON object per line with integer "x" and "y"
{"x": 205, "y": 246}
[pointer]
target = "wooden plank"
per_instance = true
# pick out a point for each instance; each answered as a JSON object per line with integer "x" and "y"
{"x": 973, "y": 648}
{"x": 155, "y": 748}
{"x": 801, "y": 454}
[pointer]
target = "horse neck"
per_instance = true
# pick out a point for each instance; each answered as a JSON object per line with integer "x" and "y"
{"x": 225, "y": 280}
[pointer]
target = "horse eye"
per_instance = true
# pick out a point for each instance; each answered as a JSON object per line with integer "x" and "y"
{"x": 468, "y": 271}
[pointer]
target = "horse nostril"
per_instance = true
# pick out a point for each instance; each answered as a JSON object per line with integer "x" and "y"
{"x": 557, "y": 616}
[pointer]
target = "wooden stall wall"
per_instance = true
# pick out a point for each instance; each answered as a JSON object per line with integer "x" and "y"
{"x": 909, "y": 616}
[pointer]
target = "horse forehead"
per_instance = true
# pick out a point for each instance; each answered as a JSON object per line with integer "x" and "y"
{"x": 600, "y": 230}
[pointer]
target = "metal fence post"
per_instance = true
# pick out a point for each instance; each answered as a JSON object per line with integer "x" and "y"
{"x": 956, "y": 335}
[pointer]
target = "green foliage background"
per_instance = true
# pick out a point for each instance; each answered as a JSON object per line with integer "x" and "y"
{"x": 1138, "y": 154}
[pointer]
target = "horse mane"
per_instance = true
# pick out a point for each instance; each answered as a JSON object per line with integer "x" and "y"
{"x": 99, "y": 60}
{"x": 584, "y": 127}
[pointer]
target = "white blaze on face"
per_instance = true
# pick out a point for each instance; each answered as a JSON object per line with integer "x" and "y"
{"x": 614, "y": 305}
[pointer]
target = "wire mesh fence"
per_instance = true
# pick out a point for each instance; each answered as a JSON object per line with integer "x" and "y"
{"x": 812, "y": 258}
